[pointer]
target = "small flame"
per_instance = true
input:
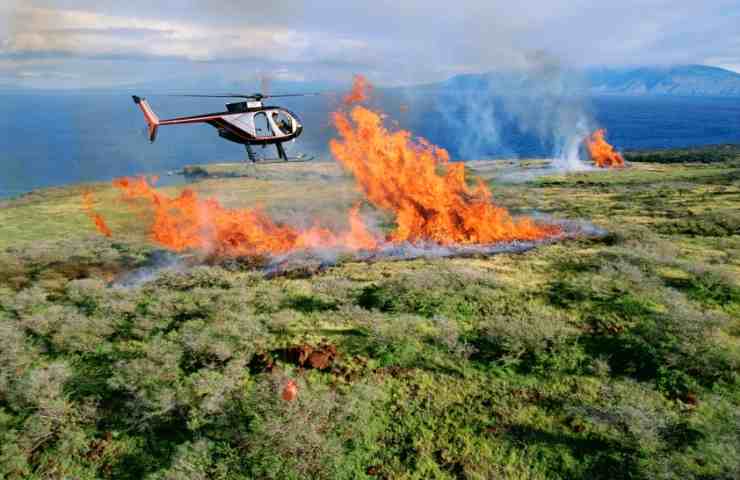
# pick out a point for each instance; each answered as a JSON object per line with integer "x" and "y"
{"x": 88, "y": 201}
{"x": 602, "y": 153}
{"x": 360, "y": 92}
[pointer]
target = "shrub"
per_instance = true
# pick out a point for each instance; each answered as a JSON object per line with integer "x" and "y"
{"x": 87, "y": 294}
{"x": 532, "y": 329}
{"x": 197, "y": 277}
{"x": 192, "y": 461}
{"x": 50, "y": 423}
{"x": 208, "y": 394}
{"x": 447, "y": 334}
{"x": 159, "y": 311}
{"x": 152, "y": 379}
{"x": 81, "y": 333}
{"x": 457, "y": 294}
{"x": 712, "y": 288}
{"x": 710, "y": 224}
{"x": 16, "y": 356}
{"x": 26, "y": 302}
{"x": 218, "y": 340}
{"x": 394, "y": 339}
{"x": 320, "y": 434}
{"x": 647, "y": 330}
{"x": 631, "y": 412}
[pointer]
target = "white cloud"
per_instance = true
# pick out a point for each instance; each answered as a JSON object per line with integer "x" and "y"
{"x": 394, "y": 42}
{"x": 40, "y": 31}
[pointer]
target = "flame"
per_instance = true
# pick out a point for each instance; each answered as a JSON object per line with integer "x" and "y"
{"x": 87, "y": 205}
{"x": 360, "y": 91}
{"x": 188, "y": 222}
{"x": 416, "y": 182}
{"x": 602, "y": 153}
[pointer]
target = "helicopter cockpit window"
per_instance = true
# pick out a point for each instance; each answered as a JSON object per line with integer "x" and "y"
{"x": 261, "y": 125}
{"x": 283, "y": 122}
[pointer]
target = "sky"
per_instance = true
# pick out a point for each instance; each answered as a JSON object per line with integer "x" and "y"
{"x": 104, "y": 43}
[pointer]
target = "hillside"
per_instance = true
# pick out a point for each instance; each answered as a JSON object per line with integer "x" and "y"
{"x": 610, "y": 357}
{"x": 689, "y": 80}
{"x": 685, "y": 80}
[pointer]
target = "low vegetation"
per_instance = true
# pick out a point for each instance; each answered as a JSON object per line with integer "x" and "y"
{"x": 611, "y": 357}
{"x": 708, "y": 154}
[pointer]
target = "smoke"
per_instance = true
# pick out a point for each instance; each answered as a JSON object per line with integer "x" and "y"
{"x": 569, "y": 158}
{"x": 309, "y": 262}
{"x": 536, "y": 105}
{"x": 553, "y": 106}
{"x": 160, "y": 261}
{"x": 472, "y": 116}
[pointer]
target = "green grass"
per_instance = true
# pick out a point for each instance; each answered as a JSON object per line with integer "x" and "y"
{"x": 615, "y": 357}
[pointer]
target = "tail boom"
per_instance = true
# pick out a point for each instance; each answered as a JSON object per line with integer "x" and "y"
{"x": 152, "y": 120}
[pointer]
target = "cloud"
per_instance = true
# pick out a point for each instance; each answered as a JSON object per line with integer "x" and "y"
{"x": 38, "y": 32}
{"x": 393, "y": 42}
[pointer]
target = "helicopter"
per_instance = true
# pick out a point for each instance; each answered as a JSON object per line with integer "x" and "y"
{"x": 246, "y": 122}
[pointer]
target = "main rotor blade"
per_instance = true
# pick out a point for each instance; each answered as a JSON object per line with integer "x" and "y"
{"x": 211, "y": 96}
{"x": 254, "y": 95}
{"x": 293, "y": 95}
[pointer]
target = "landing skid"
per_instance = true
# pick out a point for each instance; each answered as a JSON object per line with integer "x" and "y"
{"x": 298, "y": 159}
{"x": 282, "y": 157}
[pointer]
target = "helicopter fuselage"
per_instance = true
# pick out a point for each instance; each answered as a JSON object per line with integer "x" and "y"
{"x": 247, "y": 123}
{"x": 257, "y": 124}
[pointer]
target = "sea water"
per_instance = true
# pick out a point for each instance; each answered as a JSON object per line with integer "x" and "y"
{"x": 56, "y": 138}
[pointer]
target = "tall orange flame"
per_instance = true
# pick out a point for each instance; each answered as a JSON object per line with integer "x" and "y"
{"x": 416, "y": 182}
{"x": 88, "y": 201}
{"x": 602, "y": 153}
{"x": 189, "y": 222}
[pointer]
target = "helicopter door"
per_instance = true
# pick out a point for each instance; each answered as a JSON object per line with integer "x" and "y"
{"x": 262, "y": 125}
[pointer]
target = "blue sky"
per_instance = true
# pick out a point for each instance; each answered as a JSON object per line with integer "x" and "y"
{"x": 88, "y": 43}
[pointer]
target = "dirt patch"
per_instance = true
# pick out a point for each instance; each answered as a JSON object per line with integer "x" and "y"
{"x": 321, "y": 357}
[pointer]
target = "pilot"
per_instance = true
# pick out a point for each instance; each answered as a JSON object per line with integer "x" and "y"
{"x": 282, "y": 124}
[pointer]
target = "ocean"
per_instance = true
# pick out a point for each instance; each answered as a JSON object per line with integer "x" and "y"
{"x": 57, "y": 138}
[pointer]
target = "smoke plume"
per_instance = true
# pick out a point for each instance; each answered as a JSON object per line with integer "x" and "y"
{"x": 503, "y": 112}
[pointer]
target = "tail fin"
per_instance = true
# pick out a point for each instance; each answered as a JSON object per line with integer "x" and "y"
{"x": 152, "y": 120}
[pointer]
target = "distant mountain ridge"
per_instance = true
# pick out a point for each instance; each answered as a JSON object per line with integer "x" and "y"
{"x": 683, "y": 80}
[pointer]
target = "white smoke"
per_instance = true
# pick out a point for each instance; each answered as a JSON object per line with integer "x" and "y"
{"x": 569, "y": 158}
{"x": 538, "y": 99}
{"x": 311, "y": 261}
{"x": 160, "y": 261}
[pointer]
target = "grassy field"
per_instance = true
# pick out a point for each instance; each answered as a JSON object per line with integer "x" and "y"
{"x": 609, "y": 358}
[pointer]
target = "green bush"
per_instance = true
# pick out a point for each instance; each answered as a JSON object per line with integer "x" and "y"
{"x": 709, "y": 224}
{"x": 527, "y": 333}
{"x": 320, "y": 434}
